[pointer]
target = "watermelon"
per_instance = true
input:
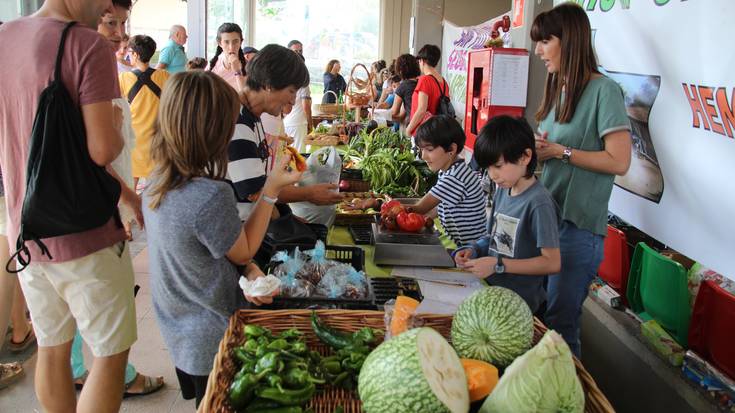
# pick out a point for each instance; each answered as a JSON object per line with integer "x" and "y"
{"x": 417, "y": 371}
{"x": 493, "y": 325}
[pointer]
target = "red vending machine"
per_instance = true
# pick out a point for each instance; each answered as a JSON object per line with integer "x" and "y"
{"x": 497, "y": 84}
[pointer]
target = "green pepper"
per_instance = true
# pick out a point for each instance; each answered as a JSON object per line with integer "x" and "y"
{"x": 274, "y": 380}
{"x": 279, "y": 344}
{"x": 297, "y": 377}
{"x": 299, "y": 347}
{"x": 269, "y": 362}
{"x": 259, "y": 405}
{"x": 288, "y": 397}
{"x": 365, "y": 335}
{"x": 251, "y": 346}
{"x": 332, "y": 367}
{"x": 291, "y": 333}
{"x": 247, "y": 367}
{"x": 254, "y": 331}
{"x": 328, "y": 335}
{"x": 241, "y": 354}
{"x": 243, "y": 389}
{"x": 340, "y": 378}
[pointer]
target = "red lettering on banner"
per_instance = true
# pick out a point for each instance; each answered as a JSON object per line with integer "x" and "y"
{"x": 705, "y": 94}
{"x": 727, "y": 110}
{"x": 697, "y": 111}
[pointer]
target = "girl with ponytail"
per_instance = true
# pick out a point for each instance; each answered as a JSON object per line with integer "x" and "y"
{"x": 231, "y": 65}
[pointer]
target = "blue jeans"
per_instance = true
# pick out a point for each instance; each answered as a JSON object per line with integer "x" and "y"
{"x": 77, "y": 362}
{"x": 581, "y": 254}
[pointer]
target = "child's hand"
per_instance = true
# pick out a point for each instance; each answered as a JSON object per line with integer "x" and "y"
{"x": 462, "y": 256}
{"x": 234, "y": 61}
{"x": 481, "y": 267}
{"x": 281, "y": 176}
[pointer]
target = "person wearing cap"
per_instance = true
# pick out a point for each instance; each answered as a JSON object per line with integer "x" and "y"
{"x": 249, "y": 52}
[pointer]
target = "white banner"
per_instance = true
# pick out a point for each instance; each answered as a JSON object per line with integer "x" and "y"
{"x": 457, "y": 42}
{"x": 675, "y": 61}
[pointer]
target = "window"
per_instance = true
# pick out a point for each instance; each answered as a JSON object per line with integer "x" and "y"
{"x": 225, "y": 11}
{"x": 347, "y": 30}
{"x": 154, "y": 18}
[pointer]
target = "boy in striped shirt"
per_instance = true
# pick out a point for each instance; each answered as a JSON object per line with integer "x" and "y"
{"x": 457, "y": 195}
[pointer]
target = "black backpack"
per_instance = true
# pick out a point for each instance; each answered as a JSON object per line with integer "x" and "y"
{"x": 66, "y": 192}
{"x": 143, "y": 79}
{"x": 445, "y": 104}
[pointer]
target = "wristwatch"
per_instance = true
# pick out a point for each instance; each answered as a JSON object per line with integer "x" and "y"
{"x": 499, "y": 266}
{"x": 566, "y": 154}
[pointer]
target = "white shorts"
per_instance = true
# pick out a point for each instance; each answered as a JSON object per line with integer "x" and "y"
{"x": 93, "y": 293}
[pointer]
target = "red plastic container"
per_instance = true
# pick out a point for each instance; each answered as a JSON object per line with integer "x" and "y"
{"x": 712, "y": 329}
{"x": 615, "y": 264}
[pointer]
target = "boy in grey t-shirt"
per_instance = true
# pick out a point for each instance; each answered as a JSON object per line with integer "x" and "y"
{"x": 522, "y": 245}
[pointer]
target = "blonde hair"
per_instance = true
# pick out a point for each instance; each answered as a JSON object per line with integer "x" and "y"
{"x": 196, "y": 120}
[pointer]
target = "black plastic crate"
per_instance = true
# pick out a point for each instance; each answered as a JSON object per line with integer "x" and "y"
{"x": 388, "y": 288}
{"x": 355, "y": 174}
{"x": 354, "y": 256}
{"x": 362, "y": 234}
{"x": 266, "y": 250}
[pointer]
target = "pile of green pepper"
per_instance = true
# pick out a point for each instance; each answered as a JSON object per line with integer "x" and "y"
{"x": 276, "y": 372}
{"x": 350, "y": 351}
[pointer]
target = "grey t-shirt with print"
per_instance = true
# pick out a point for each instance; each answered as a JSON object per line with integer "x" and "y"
{"x": 522, "y": 225}
{"x": 195, "y": 287}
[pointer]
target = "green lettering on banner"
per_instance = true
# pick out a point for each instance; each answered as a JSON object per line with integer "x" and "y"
{"x": 661, "y": 2}
{"x": 605, "y": 5}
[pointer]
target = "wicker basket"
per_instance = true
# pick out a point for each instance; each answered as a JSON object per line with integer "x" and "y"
{"x": 359, "y": 94}
{"x": 341, "y": 218}
{"x": 334, "y": 109}
{"x": 215, "y": 397}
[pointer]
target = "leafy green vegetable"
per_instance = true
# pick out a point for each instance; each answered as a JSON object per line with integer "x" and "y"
{"x": 542, "y": 380}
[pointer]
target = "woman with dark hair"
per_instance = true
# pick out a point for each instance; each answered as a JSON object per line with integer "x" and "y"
{"x": 585, "y": 142}
{"x": 376, "y": 70}
{"x": 231, "y": 66}
{"x": 429, "y": 87}
{"x": 407, "y": 67}
{"x": 333, "y": 82}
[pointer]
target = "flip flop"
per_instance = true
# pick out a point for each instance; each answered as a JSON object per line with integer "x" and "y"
{"x": 150, "y": 385}
{"x": 28, "y": 341}
{"x": 10, "y": 373}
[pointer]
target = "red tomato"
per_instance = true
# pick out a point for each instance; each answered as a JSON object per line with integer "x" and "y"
{"x": 410, "y": 221}
{"x": 388, "y": 205}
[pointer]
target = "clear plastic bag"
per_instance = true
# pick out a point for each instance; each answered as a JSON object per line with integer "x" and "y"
{"x": 286, "y": 272}
{"x": 318, "y": 264}
{"x": 343, "y": 281}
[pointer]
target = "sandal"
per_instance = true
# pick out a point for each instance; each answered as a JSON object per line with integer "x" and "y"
{"x": 10, "y": 373}
{"x": 150, "y": 385}
{"x": 28, "y": 341}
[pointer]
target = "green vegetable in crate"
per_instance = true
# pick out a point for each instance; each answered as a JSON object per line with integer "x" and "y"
{"x": 493, "y": 325}
{"x": 417, "y": 371}
{"x": 328, "y": 335}
{"x": 288, "y": 397}
{"x": 543, "y": 380}
{"x": 297, "y": 377}
{"x": 252, "y": 330}
{"x": 242, "y": 390}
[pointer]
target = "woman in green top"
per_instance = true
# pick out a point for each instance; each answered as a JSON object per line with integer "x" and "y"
{"x": 584, "y": 137}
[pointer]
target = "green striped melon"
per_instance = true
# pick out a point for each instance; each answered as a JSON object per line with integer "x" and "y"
{"x": 417, "y": 371}
{"x": 493, "y": 325}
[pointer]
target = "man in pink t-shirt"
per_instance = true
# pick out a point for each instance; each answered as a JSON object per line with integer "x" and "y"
{"x": 89, "y": 282}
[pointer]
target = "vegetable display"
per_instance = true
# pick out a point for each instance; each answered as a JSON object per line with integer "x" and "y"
{"x": 543, "y": 380}
{"x": 417, "y": 371}
{"x": 494, "y": 325}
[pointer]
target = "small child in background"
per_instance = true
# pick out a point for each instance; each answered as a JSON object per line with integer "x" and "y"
{"x": 522, "y": 245}
{"x": 196, "y": 240}
{"x": 197, "y": 63}
{"x": 457, "y": 195}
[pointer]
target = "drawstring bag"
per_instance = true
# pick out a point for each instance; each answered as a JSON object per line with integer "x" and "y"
{"x": 444, "y": 107}
{"x": 66, "y": 192}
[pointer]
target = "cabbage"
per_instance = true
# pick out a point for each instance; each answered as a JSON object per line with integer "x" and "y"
{"x": 542, "y": 380}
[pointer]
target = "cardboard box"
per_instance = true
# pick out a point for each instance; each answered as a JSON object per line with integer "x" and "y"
{"x": 678, "y": 257}
{"x": 662, "y": 343}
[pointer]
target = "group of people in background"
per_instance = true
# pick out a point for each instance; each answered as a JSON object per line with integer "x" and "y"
{"x": 201, "y": 140}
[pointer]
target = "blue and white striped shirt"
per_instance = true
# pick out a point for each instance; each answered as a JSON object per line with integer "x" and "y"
{"x": 462, "y": 203}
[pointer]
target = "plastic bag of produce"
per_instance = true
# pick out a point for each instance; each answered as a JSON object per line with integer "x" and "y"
{"x": 318, "y": 264}
{"x": 542, "y": 380}
{"x": 324, "y": 166}
{"x": 343, "y": 281}
{"x": 399, "y": 316}
{"x": 291, "y": 286}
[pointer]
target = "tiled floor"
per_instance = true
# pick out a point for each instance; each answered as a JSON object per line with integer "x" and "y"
{"x": 149, "y": 355}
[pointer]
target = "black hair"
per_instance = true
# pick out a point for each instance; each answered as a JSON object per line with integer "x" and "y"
{"x": 143, "y": 46}
{"x": 395, "y": 78}
{"x": 276, "y": 67}
{"x": 125, "y": 4}
{"x": 228, "y": 28}
{"x": 294, "y": 42}
{"x": 441, "y": 131}
{"x": 508, "y": 137}
{"x": 407, "y": 66}
{"x": 430, "y": 54}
